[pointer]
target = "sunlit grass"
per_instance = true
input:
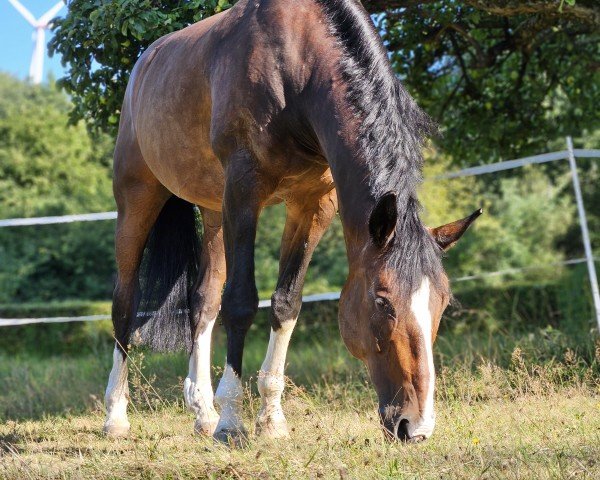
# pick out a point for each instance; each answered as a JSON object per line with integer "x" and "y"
{"x": 507, "y": 407}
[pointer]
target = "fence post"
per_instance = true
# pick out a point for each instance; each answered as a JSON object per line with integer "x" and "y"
{"x": 584, "y": 231}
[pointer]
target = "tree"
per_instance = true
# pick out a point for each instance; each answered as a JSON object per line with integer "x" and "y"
{"x": 48, "y": 168}
{"x": 503, "y": 77}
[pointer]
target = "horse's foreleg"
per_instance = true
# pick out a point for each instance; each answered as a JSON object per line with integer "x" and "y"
{"x": 304, "y": 228}
{"x": 139, "y": 206}
{"x": 206, "y": 299}
{"x": 241, "y": 207}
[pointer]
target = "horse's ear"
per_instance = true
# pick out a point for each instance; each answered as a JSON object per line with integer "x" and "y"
{"x": 382, "y": 223}
{"x": 447, "y": 235}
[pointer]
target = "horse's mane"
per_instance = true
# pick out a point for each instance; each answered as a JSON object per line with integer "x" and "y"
{"x": 393, "y": 129}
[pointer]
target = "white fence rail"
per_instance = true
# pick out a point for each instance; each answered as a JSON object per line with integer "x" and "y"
{"x": 569, "y": 154}
{"x": 86, "y": 217}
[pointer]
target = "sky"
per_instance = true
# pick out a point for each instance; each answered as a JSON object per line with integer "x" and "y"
{"x": 16, "y": 44}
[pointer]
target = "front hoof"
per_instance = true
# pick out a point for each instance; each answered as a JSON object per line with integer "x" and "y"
{"x": 116, "y": 430}
{"x": 206, "y": 428}
{"x": 273, "y": 430}
{"x": 232, "y": 438}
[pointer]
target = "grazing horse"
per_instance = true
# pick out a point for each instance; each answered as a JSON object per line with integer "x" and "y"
{"x": 274, "y": 101}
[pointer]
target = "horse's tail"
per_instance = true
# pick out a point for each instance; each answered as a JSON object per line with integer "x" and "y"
{"x": 168, "y": 272}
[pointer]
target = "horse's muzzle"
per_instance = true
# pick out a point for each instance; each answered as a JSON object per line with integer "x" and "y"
{"x": 395, "y": 428}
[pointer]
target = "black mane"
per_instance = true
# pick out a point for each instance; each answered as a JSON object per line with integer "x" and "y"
{"x": 393, "y": 129}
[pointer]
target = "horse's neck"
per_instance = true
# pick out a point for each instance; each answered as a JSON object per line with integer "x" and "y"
{"x": 337, "y": 130}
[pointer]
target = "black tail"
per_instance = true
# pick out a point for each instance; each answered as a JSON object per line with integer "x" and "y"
{"x": 167, "y": 274}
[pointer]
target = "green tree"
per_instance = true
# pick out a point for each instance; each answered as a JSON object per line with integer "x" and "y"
{"x": 49, "y": 168}
{"x": 503, "y": 77}
{"x": 526, "y": 217}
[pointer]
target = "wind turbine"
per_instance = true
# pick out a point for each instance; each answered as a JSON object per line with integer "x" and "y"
{"x": 36, "y": 68}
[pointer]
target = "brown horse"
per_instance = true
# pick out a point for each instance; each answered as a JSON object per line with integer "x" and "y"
{"x": 275, "y": 101}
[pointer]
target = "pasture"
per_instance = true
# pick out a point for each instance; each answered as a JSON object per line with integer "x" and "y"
{"x": 275, "y": 101}
{"x": 513, "y": 404}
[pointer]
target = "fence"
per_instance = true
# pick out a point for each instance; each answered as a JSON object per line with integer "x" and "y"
{"x": 569, "y": 154}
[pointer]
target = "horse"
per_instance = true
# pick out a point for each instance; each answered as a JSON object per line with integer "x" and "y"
{"x": 274, "y": 101}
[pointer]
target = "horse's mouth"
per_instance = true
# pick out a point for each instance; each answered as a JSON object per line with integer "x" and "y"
{"x": 398, "y": 432}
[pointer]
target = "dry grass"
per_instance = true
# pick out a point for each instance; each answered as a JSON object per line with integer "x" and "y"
{"x": 534, "y": 413}
{"x": 334, "y": 435}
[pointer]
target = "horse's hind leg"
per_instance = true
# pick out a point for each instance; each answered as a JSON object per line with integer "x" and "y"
{"x": 140, "y": 199}
{"x": 205, "y": 303}
{"x": 305, "y": 225}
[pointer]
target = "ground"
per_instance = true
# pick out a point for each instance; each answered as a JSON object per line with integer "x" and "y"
{"x": 531, "y": 437}
{"x": 522, "y": 419}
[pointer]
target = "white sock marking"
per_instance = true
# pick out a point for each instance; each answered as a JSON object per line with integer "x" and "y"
{"x": 271, "y": 380}
{"x": 197, "y": 387}
{"x": 420, "y": 308}
{"x": 117, "y": 393}
{"x": 229, "y": 397}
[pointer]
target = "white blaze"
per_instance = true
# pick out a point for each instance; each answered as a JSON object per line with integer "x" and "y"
{"x": 420, "y": 308}
{"x": 229, "y": 397}
{"x": 197, "y": 387}
{"x": 117, "y": 395}
{"x": 271, "y": 380}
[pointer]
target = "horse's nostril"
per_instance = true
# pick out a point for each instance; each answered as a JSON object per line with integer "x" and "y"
{"x": 402, "y": 431}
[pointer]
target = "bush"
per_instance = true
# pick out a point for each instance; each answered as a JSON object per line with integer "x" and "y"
{"x": 48, "y": 168}
{"x": 55, "y": 338}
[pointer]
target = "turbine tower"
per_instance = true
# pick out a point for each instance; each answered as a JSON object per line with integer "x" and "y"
{"x": 36, "y": 68}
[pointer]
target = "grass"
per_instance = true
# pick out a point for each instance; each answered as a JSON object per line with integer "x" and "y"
{"x": 531, "y": 437}
{"x": 509, "y": 405}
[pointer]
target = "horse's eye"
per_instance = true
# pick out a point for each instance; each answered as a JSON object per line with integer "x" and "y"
{"x": 382, "y": 302}
{"x": 384, "y": 306}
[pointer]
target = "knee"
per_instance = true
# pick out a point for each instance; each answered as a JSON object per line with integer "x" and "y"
{"x": 285, "y": 307}
{"x": 204, "y": 309}
{"x": 238, "y": 312}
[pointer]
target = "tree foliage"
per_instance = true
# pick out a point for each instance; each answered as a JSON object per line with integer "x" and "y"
{"x": 101, "y": 40}
{"x": 48, "y": 168}
{"x": 502, "y": 77}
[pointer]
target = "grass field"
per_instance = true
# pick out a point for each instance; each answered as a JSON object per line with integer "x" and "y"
{"x": 508, "y": 406}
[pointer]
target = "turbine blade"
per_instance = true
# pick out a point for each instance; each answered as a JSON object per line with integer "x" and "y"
{"x": 50, "y": 14}
{"x": 23, "y": 11}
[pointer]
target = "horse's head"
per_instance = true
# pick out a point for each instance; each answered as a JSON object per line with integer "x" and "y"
{"x": 392, "y": 329}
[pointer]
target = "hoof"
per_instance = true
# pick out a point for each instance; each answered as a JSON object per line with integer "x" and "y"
{"x": 206, "y": 428}
{"x": 232, "y": 438}
{"x": 272, "y": 430}
{"x": 116, "y": 430}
